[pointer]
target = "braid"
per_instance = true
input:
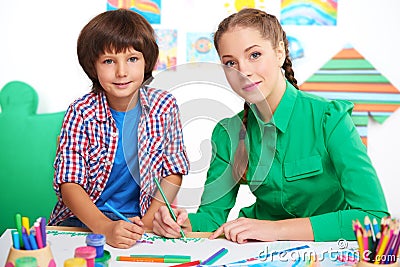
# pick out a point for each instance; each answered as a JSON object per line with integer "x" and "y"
{"x": 240, "y": 162}
{"x": 287, "y": 65}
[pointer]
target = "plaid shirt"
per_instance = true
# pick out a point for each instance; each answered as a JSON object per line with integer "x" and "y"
{"x": 88, "y": 145}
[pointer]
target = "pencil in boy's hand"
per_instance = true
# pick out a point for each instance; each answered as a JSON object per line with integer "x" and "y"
{"x": 168, "y": 205}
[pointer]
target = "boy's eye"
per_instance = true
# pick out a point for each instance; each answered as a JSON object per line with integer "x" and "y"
{"x": 133, "y": 59}
{"x": 108, "y": 61}
{"x": 255, "y": 55}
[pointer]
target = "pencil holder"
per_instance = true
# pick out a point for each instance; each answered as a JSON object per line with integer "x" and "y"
{"x": 43, "y": 256}
{"x": 370, "y": 264}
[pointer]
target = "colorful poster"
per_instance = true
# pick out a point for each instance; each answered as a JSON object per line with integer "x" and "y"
{"x": 150, "y": 9}
{"x": 349, "y": 76}
{"x": 296, "y": 49}
{"x": 200, "y": 48}
{"x": 167, "y": 43}
{"x": 233, "y": 6}
{"x": 309, "y": 12}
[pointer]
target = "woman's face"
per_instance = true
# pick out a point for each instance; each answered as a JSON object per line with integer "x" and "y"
{"x": 244, "y": 50}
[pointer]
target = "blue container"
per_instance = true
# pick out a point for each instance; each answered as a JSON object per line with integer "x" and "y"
{"x": 97, "y": 241}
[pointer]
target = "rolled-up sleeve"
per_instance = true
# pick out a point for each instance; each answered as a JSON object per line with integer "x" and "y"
{"x": 70, "y": 160}
{"x": 175, "y": 160}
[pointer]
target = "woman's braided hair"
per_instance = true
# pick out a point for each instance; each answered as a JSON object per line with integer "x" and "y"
{"x": 270, "y": 29}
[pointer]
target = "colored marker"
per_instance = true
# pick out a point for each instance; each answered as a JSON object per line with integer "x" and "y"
{"x": 18, "y": 224}
{"x": 165, "y": 258}
{"x": 39, "y": 235}
{"x": 15, "y": 238}
{"x": 32, "y": 241}
{"x": 43, "y": 230}
{"x": 187, "y": 264}
{"x": 25, "y": 223}
{"x": 155, "y": 258}
{"x": 216, "y": 256}
{"x": 25, "y": 238}
{"x": 168, "y": 205}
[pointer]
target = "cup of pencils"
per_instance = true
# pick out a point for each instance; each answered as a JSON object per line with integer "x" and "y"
{"x": 30, "y": 242}
{"x": 378, "y": 243}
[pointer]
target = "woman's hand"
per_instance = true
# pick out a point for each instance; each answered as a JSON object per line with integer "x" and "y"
{"x": 164, "y": 224}
{"x": 122, "y": 234}
{"x": 243, "y": 229}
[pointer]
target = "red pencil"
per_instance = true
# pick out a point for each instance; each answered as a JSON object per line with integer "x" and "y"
{"x": 187, "y": 264}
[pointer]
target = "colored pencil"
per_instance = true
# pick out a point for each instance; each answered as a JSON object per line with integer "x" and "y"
{"x": 368, "y": 227}
{"x": 168, "y": 205}
{"x": 382, "y": 246}
{"x": 360, "y": 243}
{"x": 122, "y": 217}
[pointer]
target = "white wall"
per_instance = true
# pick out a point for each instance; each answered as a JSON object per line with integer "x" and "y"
{"x": 38, "y": 46}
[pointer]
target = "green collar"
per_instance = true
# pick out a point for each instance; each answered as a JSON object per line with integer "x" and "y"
{"x": 284, "y": 110}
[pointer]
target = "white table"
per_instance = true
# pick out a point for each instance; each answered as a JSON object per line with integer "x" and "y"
{"x": 63, "y": 244}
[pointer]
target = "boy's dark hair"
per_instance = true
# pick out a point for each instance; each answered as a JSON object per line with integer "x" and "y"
{"x": 116, "y": 31}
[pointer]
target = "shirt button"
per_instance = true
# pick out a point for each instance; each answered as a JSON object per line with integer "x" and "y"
{"x": 108, "y": 163}
{"x": 98, "y": 187}
{"x": 114, "y": 134}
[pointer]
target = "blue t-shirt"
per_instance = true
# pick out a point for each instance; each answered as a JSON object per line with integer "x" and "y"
{"x": 122, "y": 190}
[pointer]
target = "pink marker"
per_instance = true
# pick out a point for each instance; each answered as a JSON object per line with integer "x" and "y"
{"x": 38, "y": 235}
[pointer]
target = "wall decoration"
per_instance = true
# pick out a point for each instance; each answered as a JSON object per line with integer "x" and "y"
{"x": 296, "y": 49}
{"x": 150, "y": 9}
{"x": 200, "y": 48}
{"x": 234, "y": 6}
{"x": 348, "y": 75}
{"x": 167, "y": 43}
{"x": 309, "y": 12}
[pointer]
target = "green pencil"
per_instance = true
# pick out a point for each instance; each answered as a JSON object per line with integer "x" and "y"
{"x": 168, "y": 205}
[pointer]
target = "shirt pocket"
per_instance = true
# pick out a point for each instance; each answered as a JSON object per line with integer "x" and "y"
{"x": 303, "y": 168}
{"x": 154, "y": 145}
{"x": 97, "y": 156}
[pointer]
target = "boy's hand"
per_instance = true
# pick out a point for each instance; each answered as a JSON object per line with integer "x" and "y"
{"x": 121, "y": 234}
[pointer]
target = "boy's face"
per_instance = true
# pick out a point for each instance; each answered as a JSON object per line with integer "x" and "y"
{"x": 121, "y": 75}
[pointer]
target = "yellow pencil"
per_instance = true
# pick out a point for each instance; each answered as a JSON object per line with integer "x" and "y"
{"x": 25, "y": 223}
{"x": 382, "y": 246}
{"x": 360, "y": 243}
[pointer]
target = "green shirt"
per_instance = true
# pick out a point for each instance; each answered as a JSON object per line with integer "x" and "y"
{"x": 308, "y": 161}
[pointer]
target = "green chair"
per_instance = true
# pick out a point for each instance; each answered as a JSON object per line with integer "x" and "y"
{"x": 28, "y": 143}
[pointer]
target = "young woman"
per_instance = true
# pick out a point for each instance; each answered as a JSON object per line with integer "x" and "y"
{"x": 116, "y": 139}
{"x": 300, "y": 154}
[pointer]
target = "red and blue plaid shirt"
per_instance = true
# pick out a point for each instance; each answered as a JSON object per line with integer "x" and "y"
{"x": 88, "y": 145}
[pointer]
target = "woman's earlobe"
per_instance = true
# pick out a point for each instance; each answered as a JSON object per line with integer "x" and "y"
{"x": 281, "y": 51}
